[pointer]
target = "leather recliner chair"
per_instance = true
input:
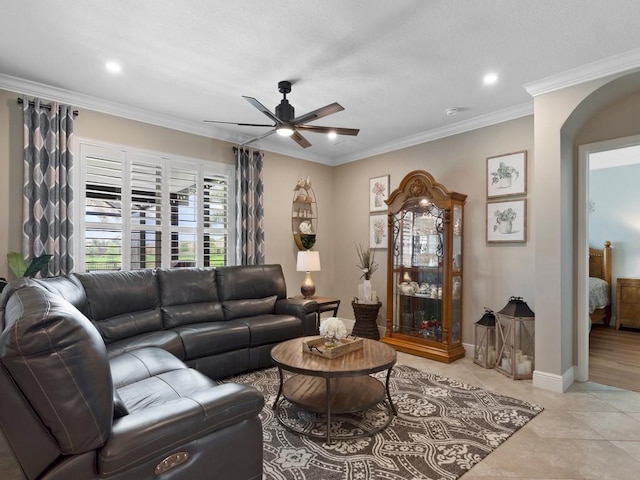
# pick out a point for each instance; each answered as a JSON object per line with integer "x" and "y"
{"x": 71, "y": 412}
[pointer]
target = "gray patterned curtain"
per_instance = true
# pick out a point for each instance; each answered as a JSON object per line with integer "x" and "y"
{"x": 250, "y": 212}
{"x": 47, "y": 190}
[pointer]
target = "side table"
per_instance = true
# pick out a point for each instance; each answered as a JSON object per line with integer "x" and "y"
{"x": 366, "y": 320}
{"x": 628, "y": 302}
{"x": 325, "y": 304}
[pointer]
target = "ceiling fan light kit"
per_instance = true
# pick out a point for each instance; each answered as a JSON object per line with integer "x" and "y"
{"x": 287, "y": 124}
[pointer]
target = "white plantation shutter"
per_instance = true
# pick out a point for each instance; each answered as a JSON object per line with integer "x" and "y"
{"x": 216, "y": 217}
{"x": 148, "y": 211}
{"x": 103, "y": 211}
{"x": 183, "y": 199}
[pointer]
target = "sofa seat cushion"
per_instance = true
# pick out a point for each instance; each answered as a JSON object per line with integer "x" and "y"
{"x": 202, "y": 339}
{"x": 136, "y": 365}
{"x": 163, "y": 388}
{"x": 166, "y": 339}
{"x": 266, "y": 329}
{"x": 168, "y": 411}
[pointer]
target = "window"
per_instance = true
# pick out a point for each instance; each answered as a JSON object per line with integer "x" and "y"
{"x": 143, "y": 210}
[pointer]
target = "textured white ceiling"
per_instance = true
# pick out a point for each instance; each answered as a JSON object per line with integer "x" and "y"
{"x": 395, "y": 66}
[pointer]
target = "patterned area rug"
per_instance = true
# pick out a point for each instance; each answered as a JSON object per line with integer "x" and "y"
{"x": 443, "y": 428}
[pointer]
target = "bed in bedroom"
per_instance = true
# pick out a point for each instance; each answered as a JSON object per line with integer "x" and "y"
{"x": 600, "y": 283}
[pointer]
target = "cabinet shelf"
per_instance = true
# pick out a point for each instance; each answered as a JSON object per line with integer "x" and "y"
{"x": 304, "y": 215}
{"x": 427, "y": 255}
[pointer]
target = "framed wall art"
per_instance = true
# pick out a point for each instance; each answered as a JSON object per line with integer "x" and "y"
{"x": 378, "y": 193}
{"x": 507, "y": 221}
{"x": 507, "y": 175}
{"x": 378, "y": 231}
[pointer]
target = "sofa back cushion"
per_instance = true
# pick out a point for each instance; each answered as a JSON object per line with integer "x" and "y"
{"x": 250, "y": 307}
{"x": 249, "y": 290}
{"x": 250, "y": 281}
{"x": 69, "y": 288}
{"x": 123, "y": 304}
{"x": 59, "y": 362}
{"x": 189, "y": 295}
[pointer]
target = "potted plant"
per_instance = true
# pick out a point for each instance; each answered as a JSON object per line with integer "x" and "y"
{"x": 504, "y": 220}
{"x": 503, "y": 175}
{"x": 367, "y": 266}
{"x": 20, "y": 268}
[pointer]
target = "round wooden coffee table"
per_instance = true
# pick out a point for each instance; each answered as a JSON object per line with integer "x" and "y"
{"x": 334, "y": 385}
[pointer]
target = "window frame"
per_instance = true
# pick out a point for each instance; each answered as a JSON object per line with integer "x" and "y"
{"x": 128, "y": 155}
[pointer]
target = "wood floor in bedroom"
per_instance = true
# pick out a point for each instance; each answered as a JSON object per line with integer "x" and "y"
{"x": 614, "y": 357}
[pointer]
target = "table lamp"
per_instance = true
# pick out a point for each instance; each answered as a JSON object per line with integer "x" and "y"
{"x": 308, "y": 262}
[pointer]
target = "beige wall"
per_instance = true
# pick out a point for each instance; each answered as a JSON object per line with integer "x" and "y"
{"x": 492, "y": 272}
{"x": 564, "y": 119}
{"x": 542, "y": 270}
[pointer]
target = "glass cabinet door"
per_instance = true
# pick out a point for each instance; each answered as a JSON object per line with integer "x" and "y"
{"x": 418, "y": 273}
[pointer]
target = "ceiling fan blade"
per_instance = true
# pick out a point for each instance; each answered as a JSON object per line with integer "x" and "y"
{"x": 338, "y": 130}
{"x": 242, "y": 124}
{"x": 262, "y": 108}
{"x": 253, "y": 140}
{"x": 319, "y": 113}
{"x": 300, "y": 140}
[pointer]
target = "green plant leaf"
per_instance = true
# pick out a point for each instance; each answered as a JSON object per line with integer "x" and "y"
{"x": 16, "y": 264}
{"x": 37, "y": 264}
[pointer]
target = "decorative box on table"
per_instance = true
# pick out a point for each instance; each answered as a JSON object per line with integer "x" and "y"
{"x": 316, "y": 346}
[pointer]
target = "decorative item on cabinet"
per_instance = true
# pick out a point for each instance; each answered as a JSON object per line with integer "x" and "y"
{"x": 484, "y": 340}
{"x": 424, "y": 284}
{"x": 304, "y": 215}
{"x": 515, "y": 340}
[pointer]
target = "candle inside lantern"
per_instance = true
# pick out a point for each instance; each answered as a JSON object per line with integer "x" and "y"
{"x": 524, "y": 367}
{"x": 491, "y": 355}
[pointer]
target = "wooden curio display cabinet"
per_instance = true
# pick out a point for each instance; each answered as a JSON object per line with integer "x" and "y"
{"x": 424, "y": 285}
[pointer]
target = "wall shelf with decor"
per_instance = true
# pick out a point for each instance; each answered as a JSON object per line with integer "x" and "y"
{"x": 424, "y": 285}
{"x": 304, "y": 215}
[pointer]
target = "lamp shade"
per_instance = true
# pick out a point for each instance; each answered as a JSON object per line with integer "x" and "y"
{"x": 308, "y": 261}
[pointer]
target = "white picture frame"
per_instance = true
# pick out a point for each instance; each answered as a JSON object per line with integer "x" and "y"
{"x": 507, "y": 175}
{"x": 507, "y": 221}
{"x": 378, "y": 193}
{"x": 378, "y": 236}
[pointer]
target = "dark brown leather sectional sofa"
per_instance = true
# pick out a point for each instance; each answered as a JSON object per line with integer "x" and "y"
{"x": 113, "y": 375}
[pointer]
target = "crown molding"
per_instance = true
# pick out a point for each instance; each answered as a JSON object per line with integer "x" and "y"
{"x": 624, "y": 62}
{"x": 79, "y": 100}
{"x": 481, "y": 121}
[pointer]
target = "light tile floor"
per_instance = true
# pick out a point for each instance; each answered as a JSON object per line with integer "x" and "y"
{"x": 590, "y": 432}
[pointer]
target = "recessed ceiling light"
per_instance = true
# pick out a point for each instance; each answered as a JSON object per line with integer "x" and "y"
{"x": 113, "y": 67}
{"x": 490, "y": 78}
{"x": 332, "y": 135}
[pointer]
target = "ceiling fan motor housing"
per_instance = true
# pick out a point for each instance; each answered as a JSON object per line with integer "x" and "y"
{"x": 285, "y": 111}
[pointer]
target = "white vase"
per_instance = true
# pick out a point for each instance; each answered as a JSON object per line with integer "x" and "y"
{"x": 366, "y": 290}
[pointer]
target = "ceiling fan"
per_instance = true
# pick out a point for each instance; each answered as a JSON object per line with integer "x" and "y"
{"x": 287, "y": 125}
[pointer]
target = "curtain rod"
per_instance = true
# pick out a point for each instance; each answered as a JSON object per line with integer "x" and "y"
{"x": 47, "y": 106}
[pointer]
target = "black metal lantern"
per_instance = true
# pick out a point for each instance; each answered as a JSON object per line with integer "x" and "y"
{"x": 484, "y": 340}
{"x": 515, "y": 338}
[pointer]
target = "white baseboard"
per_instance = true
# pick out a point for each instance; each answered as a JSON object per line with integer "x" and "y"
{"x": 552, "y": 382}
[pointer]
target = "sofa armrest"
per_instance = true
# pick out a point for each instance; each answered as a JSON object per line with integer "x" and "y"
{"x": 158, "y": 430}
{"x": 298, "y": 307}
{"x": 306, "y": 310}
